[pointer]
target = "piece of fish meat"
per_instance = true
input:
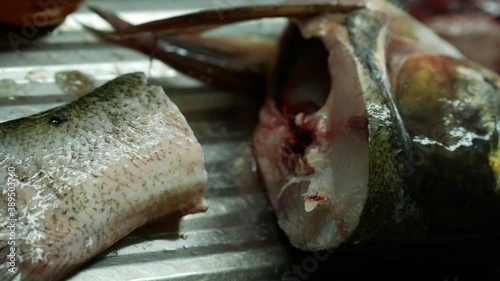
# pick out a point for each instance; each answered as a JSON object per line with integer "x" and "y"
{"x": 376, "y": 129}
{"x": 77, "y": 178}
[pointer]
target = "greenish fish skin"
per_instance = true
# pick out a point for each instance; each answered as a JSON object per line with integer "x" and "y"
{"x": 432, "y": 173}
{"x": 75, "y": 179}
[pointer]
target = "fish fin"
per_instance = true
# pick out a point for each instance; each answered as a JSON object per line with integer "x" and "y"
{"x": 116, "y": 22}
{"x": 230, "y": 64}
{"x": 223, "y": 48}
{"x": 209, "y": 19}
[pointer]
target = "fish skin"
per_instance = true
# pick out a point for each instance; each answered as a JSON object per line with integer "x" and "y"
{"x": 442, "y": 183}
{"x": 389, "y": 193}
{"x": 90, "y": 172}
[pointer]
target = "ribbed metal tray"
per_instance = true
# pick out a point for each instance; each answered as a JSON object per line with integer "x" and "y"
{"x": 237, "y": 238}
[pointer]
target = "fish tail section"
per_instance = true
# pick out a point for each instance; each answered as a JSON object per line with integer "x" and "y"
{"x": 212, "y": 18}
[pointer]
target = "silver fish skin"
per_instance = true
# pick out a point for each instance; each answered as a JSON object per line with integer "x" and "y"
{"x": 75, "y": 179}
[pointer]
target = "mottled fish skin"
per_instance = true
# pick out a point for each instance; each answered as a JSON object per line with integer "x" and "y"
{"x": 88, "y": 173}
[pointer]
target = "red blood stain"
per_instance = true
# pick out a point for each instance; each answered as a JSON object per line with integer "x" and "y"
{"x": 315, "y": 197}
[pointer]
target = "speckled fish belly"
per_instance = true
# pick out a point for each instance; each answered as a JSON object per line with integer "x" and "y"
{"x": 77, "y": 178}
{"x": 376, "y": 129}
